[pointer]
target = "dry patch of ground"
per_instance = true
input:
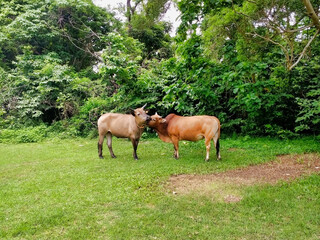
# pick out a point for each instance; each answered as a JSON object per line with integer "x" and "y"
{"x": 226, "y": 186}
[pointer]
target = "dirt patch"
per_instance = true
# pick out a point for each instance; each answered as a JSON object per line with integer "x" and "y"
{"x": 225, "y": 185}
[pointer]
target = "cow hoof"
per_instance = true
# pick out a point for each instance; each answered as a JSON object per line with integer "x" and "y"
{"x": 113, "y": 156}
{"x": 101, "y": 157}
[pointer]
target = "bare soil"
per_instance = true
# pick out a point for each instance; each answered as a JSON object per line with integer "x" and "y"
{"x": 225, "y": 186}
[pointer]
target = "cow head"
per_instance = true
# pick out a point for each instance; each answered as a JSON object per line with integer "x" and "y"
{"x": 156, "y": 121}
{"x": 141, "y": 116}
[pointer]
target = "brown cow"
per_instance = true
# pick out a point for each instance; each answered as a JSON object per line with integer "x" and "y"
{"x": 174, "y": 128}
{"x": 122, "y": 126}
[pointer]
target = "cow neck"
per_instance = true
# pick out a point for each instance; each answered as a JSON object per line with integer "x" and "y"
{"x": 163, "y": 129}
{"x": 138, "y": 126}
{"x": 164, "y": 126}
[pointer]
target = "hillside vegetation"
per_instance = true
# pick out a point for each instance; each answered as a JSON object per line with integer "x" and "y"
{"x": 253, "y": 64}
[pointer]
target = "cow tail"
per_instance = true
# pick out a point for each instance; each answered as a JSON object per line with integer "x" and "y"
{"x": 218, "y": 146}
{"x": 217, "y": 142}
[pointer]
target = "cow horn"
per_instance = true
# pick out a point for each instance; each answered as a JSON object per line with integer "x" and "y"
{"x": 144, "y": 106}
{"x": 156, "y": 114}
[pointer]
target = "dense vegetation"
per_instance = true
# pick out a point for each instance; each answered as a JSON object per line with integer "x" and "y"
{"x": 253, "y": 64}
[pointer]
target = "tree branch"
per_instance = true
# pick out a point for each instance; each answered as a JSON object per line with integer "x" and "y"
{"x": 298, "y": 29}
{"x": 314, "y": 17}
{"x": 304, "y": 50}
{"x": 269, "y": 40}
{"x": 87, "y": 50}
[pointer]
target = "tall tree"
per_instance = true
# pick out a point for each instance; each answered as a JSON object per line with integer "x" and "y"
{"x": 253, "y": 26}
{"x": 73, "y": 28}
{"x": 152, "y": 10}
{"x": 44, "y": 45}
{"x": 144, "y": 23}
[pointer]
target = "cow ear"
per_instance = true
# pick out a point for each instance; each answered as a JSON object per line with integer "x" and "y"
{"x": 163, "y": 120}
{"x": 132, "y": 112}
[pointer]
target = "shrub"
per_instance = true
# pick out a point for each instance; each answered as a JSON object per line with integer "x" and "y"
{"x": 25, "y": 135}
{"x": 86, "y": 121}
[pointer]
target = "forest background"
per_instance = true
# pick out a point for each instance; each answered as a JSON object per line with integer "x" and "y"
{"x": 253, "y": 64}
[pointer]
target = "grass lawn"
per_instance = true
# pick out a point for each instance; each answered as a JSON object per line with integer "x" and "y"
{"x": 62, "y": 190}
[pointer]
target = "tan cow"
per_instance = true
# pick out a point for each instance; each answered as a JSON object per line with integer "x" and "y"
{"x": 174, "y": 128}
{"x": 122, "y": 126}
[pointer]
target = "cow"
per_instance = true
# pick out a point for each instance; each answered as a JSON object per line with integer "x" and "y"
{"x": 174, "y": 128}
{"x": 122, "y": 126}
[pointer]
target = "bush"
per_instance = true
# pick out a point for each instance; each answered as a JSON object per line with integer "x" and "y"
{"x": 25, "y": 135}
{"x": 85, "y": 123}
{"x": 307, "y": 84}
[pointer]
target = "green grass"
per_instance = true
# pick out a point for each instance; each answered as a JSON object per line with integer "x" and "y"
{"x": 62, "y": 190}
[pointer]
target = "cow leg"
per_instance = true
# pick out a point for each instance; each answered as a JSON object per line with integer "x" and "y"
{"x": 109, "y": 142}
{"x": 217, "y": 145}
{"x": 135, "y": 143}
{"x": 207, "y": 142}
{"x": 100, "y": 142}
{"x": 175, "y": 142}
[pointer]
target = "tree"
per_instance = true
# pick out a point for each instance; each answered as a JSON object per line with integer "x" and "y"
{"x": 152, "y": 11}
{"x": 47, "y": 50}
{"x": 255, "y": 24}
{"x": 144, "y": 23}
{"x": 75, "y": 29}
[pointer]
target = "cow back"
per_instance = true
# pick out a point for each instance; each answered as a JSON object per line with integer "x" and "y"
{"x": 192, "y": 128}
{"x": 119, "y": 125}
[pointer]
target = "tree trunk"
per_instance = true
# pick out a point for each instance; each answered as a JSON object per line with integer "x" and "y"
{"x": 129, "y": 15}
{"x": 312, "y": 14}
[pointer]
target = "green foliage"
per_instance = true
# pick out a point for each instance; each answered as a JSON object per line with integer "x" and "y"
{"x": 85, "y": 122}
{"x": 25, "y": 135}
{"x": 121, "y": 62}
{"x": 155, "y": 39}
{"x": 144, "y": 24}
{"x": 67, "y": 27}
{"x": 64, "y": 63}
{"x": 307, "y": 83}
{"x": 40, "y": 85}
{"x": 310, "y": 111}
{"x": 257, "y": 28}
{"x": 45, "y": 49}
